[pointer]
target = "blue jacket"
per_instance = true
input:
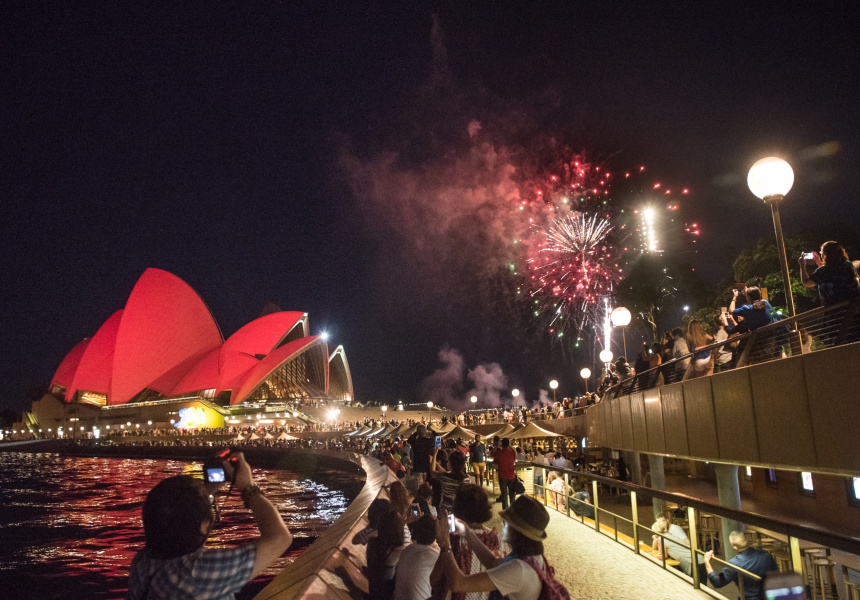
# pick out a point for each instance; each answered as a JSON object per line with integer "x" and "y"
{"x": 754, "y": 560}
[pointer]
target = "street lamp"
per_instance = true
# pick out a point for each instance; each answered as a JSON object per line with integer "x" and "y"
{"x": 515, "y": 393}
{"x": 384, "y": 407}
{"x": 429, "y": 405}
{"x": 620, "y": 317}
{"x": 585, "y": 374}
{"x": 474, "y": 400}
{"x": 553, "y": 385}
{"x": 770, "y": 179}
{"x": 606, "y": 356}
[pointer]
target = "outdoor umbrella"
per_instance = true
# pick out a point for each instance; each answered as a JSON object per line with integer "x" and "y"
{"x": 532, "y": 431}
{"x": 460, "y": 432}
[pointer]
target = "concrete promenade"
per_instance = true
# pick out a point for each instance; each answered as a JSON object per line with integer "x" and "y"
{"x": 594, "y": 566}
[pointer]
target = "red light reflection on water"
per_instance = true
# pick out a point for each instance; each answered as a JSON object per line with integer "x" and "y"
{"x": 70, "y": 526}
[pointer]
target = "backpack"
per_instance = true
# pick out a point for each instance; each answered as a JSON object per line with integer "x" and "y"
{"x": 550, "y": 588}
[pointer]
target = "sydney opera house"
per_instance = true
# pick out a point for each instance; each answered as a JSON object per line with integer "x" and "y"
{"x": 163, "y": 352}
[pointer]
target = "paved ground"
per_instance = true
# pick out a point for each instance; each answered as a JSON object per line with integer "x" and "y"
{"x": 594, "y": 566}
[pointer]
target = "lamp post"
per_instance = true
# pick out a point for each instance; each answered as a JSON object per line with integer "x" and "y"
{"x": 770, "y": 179}
{"x": 473, "y": 400}
{"x": 553, "y": 386}
{"x": 585, "y": 373}
{"x": 515, "y": 393}
{"x": 620, "y": 317}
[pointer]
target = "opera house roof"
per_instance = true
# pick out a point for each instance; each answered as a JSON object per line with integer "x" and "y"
{"x": 165, "y": 344}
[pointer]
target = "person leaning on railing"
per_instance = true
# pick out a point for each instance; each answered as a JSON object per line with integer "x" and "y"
{"x": 748, "y": 558}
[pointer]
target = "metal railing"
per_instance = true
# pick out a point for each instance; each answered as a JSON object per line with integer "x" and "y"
{"x": 813, "y": 330}
{"x": 700, "y": 518}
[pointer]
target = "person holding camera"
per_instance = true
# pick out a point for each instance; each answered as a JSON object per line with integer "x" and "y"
{"x": 177, "y": 520}
{"x": 835, "y": 277}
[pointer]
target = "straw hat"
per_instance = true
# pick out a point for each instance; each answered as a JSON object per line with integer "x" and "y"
{"x": 528, "y": 516}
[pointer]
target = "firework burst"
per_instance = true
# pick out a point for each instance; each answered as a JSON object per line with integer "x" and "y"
{"x": 573, "y": 270}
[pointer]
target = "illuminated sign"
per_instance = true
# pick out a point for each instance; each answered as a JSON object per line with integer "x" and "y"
{"x": 191, "y": 417}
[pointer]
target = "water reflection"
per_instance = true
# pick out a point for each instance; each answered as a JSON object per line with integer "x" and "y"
{"x": 70, "y": 526}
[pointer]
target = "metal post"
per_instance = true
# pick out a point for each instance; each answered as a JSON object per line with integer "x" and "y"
{"x": 780, "y": 250}
{"x": 596, "y": 513}
{"x": 796, "y": 558}
{"x": 635, "y": 512}
{"x": 566, "y": 493}
{"x": 694, "y": 545}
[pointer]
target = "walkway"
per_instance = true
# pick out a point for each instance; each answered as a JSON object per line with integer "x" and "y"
{"x": 593, "y": 566}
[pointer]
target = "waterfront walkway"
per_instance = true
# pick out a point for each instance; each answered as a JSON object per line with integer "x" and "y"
{"x": 593, "y": 566}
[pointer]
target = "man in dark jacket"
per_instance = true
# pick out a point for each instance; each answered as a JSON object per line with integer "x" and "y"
{"x": 423, "y": 445}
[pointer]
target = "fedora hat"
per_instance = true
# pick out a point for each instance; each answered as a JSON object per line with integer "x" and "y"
{"x": 528, "y": 516}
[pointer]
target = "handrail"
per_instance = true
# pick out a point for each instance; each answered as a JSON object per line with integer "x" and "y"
{"x": 794, "y": 533}
{"x": 834, "y": 540}
{"x": 785, "y": 330}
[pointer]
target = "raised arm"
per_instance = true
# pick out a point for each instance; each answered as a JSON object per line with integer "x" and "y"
{"x": 274, "y": 538}
{"x": 458, "y": 582}
{"x": 804, "y": 274}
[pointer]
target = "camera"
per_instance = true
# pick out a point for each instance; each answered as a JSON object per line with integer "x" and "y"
{"x": 452, "y": 524}
{"x": 213, "y": 467}
{"x": 416, "y": 510}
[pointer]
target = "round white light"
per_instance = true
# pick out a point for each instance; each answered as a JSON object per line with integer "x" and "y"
{"x": 553, "y": 384}
{"x": 515, "y": 392}
{"x": 606, "y": 356}
{"x": 474, "y": 399}
{"x": 620, "y": 317}
{"x": 770, "y": 176}
{"x": 149, "y": 422}
{"x": 429, "y": 405}
{"x": 384, "y": 407}
{"x": 585, "y": 373}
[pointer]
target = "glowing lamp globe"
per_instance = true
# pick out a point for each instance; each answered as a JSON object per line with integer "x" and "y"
{"x": 585, "y": 373}
{"x": 606, "y": 356}
{"x": 429, "y": 405}
{"x": 474, "y": 399}
{"x": 515, "y": 392}
{"x": 770, "y": 177}
{"x": 620, "y": 317}
{"x": 553, "y": 384}
{"x": 384, "y": 407}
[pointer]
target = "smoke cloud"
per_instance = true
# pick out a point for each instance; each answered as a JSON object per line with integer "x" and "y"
{"x": 489, "y": 380}
{"x": 445, "y": 385}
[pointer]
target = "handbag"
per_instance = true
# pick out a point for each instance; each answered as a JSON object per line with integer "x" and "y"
{"x": 519, "y": 486}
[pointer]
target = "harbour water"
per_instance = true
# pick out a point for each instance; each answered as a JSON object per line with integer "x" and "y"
{"x": 69, "y": 526}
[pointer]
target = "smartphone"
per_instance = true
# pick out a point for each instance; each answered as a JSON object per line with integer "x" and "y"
{"x": 783, "y": 586}
{"x": 215, "y": 475}
{"x": 438, "y": 441}
{"x": 809, "y": 255}
{"x": 452, "y": 524}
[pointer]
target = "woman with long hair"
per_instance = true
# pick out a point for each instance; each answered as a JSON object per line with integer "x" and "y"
{"x": 383, "y": 552}
{"x": 697, "y": 338}
{"x": 835, "y": 276}
{"x": 473, "y": 508}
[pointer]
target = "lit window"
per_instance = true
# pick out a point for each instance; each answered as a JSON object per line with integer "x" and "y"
{"x": 806, "y": 478}
{"x": 853, "y": 485}
{"x": 748, "y": 473}
{"x": 770, "y": 477}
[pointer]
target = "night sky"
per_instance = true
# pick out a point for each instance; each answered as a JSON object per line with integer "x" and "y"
{"x": 314, "y": 154}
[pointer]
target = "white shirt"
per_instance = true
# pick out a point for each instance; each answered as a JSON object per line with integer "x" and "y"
{"x": 412, "y": 581}
{"x": 516, "y": 579}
